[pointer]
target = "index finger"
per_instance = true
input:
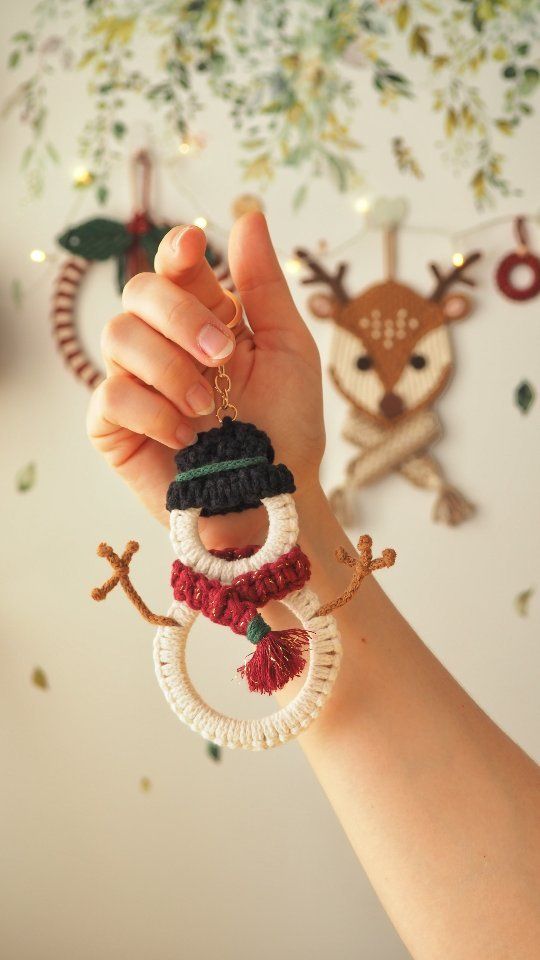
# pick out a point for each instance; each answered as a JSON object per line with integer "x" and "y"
{"x": 181, "y": 258}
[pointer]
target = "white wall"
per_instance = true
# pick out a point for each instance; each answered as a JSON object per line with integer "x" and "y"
{"x": 243, "y": 858}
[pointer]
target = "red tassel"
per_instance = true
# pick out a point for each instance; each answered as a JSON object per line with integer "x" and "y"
{"x": 278, "y": 657}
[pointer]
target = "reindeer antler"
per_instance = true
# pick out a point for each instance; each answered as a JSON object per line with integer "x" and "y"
{"x": 456, "y": 275}
{"x": 362, "y": 565}
{"x": 320, "y": 275}
{"x": 121, "y": 575}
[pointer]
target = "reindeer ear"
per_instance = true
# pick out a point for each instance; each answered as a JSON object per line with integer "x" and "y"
{"x": 456, "y": 306}
{"x": 323, "y": 306}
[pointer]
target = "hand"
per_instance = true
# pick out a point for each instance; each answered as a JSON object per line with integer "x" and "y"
{"x": 160, "y": 357}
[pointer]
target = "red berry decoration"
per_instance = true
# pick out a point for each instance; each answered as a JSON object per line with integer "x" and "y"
{"x": 522, "y": 257}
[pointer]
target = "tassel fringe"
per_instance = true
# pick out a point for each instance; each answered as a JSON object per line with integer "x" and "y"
{"x": 277, "y": 658}
{"x": 451, "y": 507}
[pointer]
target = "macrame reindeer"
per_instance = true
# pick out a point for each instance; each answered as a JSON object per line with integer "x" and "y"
{"x": 391, "y": 357}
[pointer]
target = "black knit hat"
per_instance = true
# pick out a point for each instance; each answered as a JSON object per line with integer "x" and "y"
{"x": 230, "y": 468}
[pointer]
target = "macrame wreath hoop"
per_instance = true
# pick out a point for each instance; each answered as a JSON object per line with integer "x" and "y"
{"x": 230, "y": 469}
{"x": 133, "y": 245}
{"x": 521, "y": 257}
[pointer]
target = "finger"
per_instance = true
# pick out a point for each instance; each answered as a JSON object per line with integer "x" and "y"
{"x": 181, "y": 258}
{"x": 258, "y": 277}
{"x": 179, "y": 316}
{"x": 124, "y": 402}
{"x": 137, "y": 348}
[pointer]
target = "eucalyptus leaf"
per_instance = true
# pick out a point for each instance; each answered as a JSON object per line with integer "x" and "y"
{"x": 522, "y": 600}
{"x": 26, "y": 477}
{"x": 40, "y": 678}
{"x": 213, "y": 751}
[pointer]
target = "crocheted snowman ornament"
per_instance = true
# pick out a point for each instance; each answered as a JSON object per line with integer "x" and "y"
{"x": 229, "y": 469}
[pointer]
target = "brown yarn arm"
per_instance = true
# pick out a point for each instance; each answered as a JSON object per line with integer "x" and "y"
{"x": 363, "y": 565}
{"x": 121, "y": 567}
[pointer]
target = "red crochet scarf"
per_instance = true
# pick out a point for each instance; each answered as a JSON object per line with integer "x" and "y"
{"x": 278, "y": 655}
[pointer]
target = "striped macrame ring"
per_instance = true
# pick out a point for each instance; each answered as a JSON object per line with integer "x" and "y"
{"x": 63, "y": 318}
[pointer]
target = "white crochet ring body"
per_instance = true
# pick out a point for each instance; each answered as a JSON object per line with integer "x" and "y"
{"x": 170, "y": 642}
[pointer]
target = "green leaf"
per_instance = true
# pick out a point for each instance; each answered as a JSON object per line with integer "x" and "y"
{"x": 27, "y": 156}
{"x": 52, "y": 151}
{"x": 299, "y": 197}
{"x": 17, "y": 292}
{"x": 522, "y": 600}
{"x": 338, "y": 170}
{"x": 96, "y": 239}
{"x": 213, "y": 751}
{"x": 102, "y": 194}
{"x": 119, "y": 129}
{"x": 14, "y": 58}
{"x": 40, "y": 678}
{"x": 145, "y": 784}
{"x": 402, "y": 16}
{"x": 524, "y": 396}
{"x": 26, "y": 477}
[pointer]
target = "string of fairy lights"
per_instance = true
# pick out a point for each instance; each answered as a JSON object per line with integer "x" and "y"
{"x": 362, "y": 205}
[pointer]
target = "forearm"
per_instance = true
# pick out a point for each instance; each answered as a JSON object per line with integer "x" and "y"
{"x": 440, "y": 806}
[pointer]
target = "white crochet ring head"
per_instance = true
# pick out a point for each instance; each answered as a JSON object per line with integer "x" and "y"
{"x": 282, "y": 536}
{"x": 170, "y": 642}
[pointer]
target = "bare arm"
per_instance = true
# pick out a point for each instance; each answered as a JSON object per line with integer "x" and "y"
{"x": 440, "y": 806}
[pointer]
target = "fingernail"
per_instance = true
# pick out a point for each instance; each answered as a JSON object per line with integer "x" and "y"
{"x": 185, "y": 435}
{"x": 214, "y": 342}
{"x": 177, "y": 236}
{"x": 200, "y": 399}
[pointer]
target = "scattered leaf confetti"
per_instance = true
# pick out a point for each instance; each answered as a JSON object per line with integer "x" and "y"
{"x": 145, "y": 784}
{"x": 214, "y": 752}
{"x": 40, "y": 678}
{"x": 525, "y": 395}
{"x": 521, "y": 602}
{"x": 26, "y": 477}
{"x": 17, "y": 292}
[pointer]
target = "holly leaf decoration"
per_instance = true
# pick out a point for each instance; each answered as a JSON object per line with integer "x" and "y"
{"x": 97, "y": 239}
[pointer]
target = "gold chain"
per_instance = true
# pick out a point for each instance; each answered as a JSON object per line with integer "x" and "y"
{"x": 222, "y": 380}
{"x": 222, "y": 384}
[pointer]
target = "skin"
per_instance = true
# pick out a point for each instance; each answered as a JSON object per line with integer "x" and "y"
{"x": 441, "y": 807}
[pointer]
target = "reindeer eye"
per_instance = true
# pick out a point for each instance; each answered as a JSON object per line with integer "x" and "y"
{"x": 365, "y": 362}
{"x": 417, "y": 361}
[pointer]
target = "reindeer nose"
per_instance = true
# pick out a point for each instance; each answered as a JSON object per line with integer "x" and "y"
{"x": 391, "y": 405}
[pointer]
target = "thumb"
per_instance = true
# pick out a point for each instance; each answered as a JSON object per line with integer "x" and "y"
{"x": 258, "y": 277}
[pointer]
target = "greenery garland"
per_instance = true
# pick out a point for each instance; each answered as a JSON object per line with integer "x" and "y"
{"x": 286, "y": 73}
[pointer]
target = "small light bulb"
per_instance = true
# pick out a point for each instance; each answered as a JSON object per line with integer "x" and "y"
{"x": 293, "y": 266}
{"x": 82, "y": 177}
{"x": 38, "y": 256}
{"x": 201, "y": 222}
{"x": 458, "y": 259}
{"x": 361, "y": 204}
{"x": 185, "y": 147}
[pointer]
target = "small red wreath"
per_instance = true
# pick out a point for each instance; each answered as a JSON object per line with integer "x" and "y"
{"x": 506, "y": 269}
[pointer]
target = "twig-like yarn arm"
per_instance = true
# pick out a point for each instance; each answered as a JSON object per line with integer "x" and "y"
{"x": 121, "y": 575}
{"x": 362, "y": 565}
